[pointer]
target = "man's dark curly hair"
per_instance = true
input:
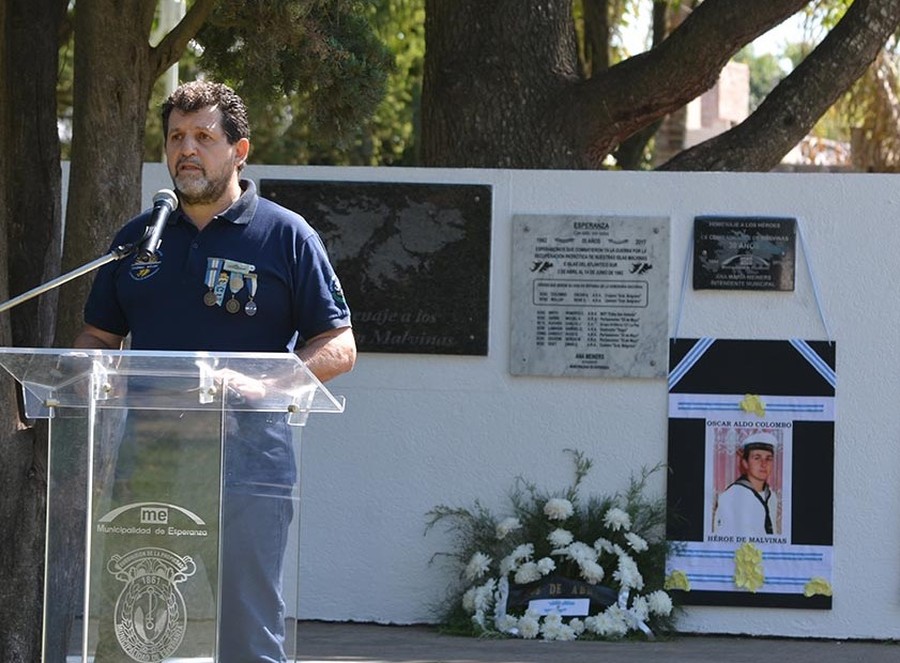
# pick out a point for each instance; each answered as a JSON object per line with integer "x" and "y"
{"x": 194, "y": 96}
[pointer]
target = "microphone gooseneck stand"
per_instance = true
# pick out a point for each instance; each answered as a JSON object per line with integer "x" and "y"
{"x": 164, "y": 203}
{"x": 117, "y": 253}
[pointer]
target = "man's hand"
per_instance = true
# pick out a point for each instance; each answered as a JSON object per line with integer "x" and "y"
{"x": 244, "y": 385}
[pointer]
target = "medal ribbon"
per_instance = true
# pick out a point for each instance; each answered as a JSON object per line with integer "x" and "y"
{"x": 213, "y": 280}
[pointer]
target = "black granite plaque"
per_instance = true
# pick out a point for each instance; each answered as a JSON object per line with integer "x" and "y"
{"x": 744, "y": 253}
{"x": 413, "y": 258}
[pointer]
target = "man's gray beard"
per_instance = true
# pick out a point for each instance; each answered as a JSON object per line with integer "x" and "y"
{"x": 200, "y": 191}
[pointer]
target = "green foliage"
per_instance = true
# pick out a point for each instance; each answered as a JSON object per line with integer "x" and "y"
{"x": 478, "y": 534}
{"x": 331, "y": 83}
{"x": 393, "y": 128}
{"x": 322, "y": 52}
{"x": 765, "y": 73}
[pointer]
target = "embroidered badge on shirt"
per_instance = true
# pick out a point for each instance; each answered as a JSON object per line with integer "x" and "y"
{"x": 141, "y": 271}
{"x": 337, "y": 293}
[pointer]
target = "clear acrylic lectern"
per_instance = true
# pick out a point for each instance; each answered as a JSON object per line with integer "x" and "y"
{"x": 149, "y": 453}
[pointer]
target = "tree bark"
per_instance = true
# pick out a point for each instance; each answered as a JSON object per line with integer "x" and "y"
{"x": 790, "y": 110}
{"x": 115, "y": 69}
{"x": 596, "y": 36}
{"x": 493, "y": 75}
{"x": 30, "y": 193}
{"x": 501, "y": 90}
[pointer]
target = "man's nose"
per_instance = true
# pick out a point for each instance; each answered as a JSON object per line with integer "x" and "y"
{"x": 188, "y": 146}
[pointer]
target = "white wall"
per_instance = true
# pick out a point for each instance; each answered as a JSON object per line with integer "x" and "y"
{"x": 425, "y": 430}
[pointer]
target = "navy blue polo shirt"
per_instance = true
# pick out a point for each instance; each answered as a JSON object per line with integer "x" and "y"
{"x": 255, "y": 250}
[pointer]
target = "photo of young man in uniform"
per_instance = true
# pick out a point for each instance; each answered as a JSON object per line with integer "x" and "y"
{"x": 749, "y": 506}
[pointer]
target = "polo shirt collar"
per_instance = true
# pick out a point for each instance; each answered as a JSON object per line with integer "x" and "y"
{"x": 243, "y": 209}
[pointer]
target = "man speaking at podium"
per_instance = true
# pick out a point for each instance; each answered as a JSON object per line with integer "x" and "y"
{"x": 227, "y": 271}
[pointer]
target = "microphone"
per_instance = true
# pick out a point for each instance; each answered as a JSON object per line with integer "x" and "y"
{"x": 164, "y": 203}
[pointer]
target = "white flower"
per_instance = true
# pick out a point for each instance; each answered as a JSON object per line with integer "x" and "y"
{"x": 553, "y": 619}
{"x": 511, "y": 562}
{"x": 546, "y": 565}
{"x": 603, "y": 545}
{"x": 528, "y": 626}
{"x": 608, "y": 623}
{"x": 628, "y": 574}
{"x": 553, "y": 628}
{"x": 558, "y": 508}
{"x": 527, "y": 573}
{"x": 565, "y": 632}
{"x": 479, "y": 599}
{"x": 617, "y": 519}
{"x": 560, "y": 538}
{"x": 478, "y": 566}
{"x": 506, "y": 623}
{"x": 506, "y": 526}
{"x": 617, "y": 621}
{"x": 591, "y": 571}
{"x": 636, "y": 542}
{"x": 640, "y": 608}
{"x": 581, "y": 553}
{"x": 577, "y": 626}
{"x": 660, "y": 603}
{"x": 523, "y": 552}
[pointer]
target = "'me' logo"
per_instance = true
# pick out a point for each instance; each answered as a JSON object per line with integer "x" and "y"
{"x": 154, "y": 515}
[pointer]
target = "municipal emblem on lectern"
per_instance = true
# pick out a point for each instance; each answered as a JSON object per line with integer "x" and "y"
{"x": 150, "y": 616}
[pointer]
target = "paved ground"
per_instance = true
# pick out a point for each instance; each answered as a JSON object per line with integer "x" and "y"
{"x": 321, "y": 642}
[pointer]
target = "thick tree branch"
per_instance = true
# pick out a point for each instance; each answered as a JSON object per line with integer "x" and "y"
{"x": 646, "y": 87}
{"x": 172, "y": 46}
{"x": 794, "y": 106}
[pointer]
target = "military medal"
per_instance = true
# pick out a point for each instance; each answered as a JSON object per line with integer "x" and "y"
{"x": 213, "y": 295}
{"x": 235, "y": 285}
{"x": 225, "y": 275}
{"x": 250, "y": 306}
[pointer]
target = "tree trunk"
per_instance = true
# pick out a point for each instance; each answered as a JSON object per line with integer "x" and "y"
{"x": 596, "y": 36}
{"x": 115, "y": 69}
{"x": 108, "y": 118}
{"x": 30, "y": 194}
{"x": 493, "y": 74}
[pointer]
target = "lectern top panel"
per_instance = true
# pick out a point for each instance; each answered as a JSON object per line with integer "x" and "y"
{"x": 141, "y": 379}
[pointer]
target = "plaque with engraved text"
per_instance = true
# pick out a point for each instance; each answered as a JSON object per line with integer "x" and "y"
{"x": 744, "y": 253}
{"x": 590, "y": 296}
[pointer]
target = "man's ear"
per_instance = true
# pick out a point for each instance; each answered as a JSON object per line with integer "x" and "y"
{"x": 242, "y": 149}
